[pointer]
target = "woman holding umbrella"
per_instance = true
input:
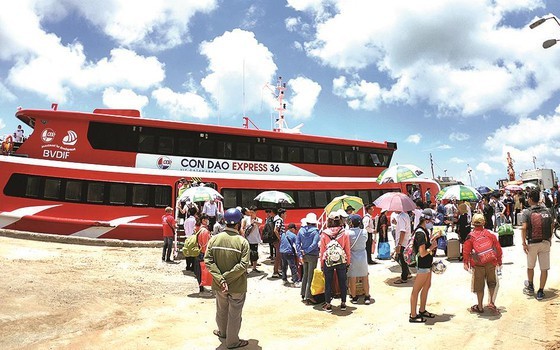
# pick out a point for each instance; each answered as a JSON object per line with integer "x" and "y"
{"x": 423, "y": 247}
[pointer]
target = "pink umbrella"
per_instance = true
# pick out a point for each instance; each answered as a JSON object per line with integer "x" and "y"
{"x": 513, "y": 188}
{"x": 395, "y": 201}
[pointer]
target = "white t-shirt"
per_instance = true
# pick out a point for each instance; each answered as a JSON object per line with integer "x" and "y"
{"x": 417, "y": 213}
{"x": 403, "y": 224}
{"x": 253, "y": 237}
{"x": 190, "y": 223}
{"x": 210, "y": 209}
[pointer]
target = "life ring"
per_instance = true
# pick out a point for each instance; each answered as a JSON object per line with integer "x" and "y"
{"x": 8, "y": 145}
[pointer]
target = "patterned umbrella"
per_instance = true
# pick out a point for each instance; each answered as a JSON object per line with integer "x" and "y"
{"x": 514, "y": 188}
{"x": 201, "y": 194}
{"x": 342, "y": 202}
{"x": 528, "y": 185}
{"x": 274, "y": 197}
{"x": 395, "y": 201}
{"x": 459, "y": 192}
{"x": 484, "y": 190}
{"x": 398, "y": 173}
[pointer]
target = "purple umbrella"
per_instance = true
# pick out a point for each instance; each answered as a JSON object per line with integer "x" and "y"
{"x": 395, "y": 201}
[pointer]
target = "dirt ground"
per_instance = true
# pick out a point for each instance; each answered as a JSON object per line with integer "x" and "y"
{"x": 73, "y": 296}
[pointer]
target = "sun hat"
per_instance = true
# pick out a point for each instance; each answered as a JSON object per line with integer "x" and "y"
{"x": 334, "y": 215}
{"x": 342, "y": 213}
{"x": 310, "y": 218}
{"x": 478, "y": 220}
{"x": 427, "y": 214}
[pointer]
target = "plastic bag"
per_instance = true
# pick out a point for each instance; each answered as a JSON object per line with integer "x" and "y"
{"x": 318, "y": 282}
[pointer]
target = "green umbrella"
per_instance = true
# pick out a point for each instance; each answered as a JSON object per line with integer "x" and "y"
{"x": 343, "y": 202}
{"x": 459, "y": 192}
{"x": 398, "y": 173}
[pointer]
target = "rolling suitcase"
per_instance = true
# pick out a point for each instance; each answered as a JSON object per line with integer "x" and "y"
{"x": 453, "y": 249}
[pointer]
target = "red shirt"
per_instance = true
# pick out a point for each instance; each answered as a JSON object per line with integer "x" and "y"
{"x": 342, "y": 239}
{"x": 203, "y": 238}
{"x": 168, "y": 224}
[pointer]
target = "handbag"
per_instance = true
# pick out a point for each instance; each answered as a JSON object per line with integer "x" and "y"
{"x": 384, "y": 251}
{"x": 205, "y": 275}
{"x": 318, "y": 282}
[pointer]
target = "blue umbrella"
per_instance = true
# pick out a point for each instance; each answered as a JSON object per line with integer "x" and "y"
{"x": 484, "y": 190}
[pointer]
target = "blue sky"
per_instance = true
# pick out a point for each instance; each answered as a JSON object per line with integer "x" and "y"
{"x": 464, "y": 80}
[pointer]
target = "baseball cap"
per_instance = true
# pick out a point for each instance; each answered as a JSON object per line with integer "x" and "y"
{"x": 334, "y": 215}
{"x": 355, "y": 219}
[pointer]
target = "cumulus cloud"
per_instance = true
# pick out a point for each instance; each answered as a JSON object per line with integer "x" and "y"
{"x": 415, "y": 138}
{"x": 416, "y": 47}
{"x": 485, "y": 168}
{"x": 5, "y": 94}
{"x": 225, "y": 79}
{"x": 304, "y": 94}
{"x": 182, "y": 105}
{"x": 457, "y": 160}
{"x": 124, "y": 99}
{"x": 358, "y": 94}
{"x": 444, "y": 146}
{"x": 458, "y": 136}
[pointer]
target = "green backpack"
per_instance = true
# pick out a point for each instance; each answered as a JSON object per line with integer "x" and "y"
{"x": 191, "y": 248}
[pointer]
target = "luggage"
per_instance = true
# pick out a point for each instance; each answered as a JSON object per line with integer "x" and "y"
{"x": 506, "y": 240}
{"x": 453, "y": 249}
{"x": 383, "y": 251}
{"x": 505, "y": 229}
{"x": 205, "y": 275}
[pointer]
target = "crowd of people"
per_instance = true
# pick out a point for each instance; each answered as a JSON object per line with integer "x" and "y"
{"x": 343, "y": 246}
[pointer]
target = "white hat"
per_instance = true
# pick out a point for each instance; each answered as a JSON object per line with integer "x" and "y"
{"x": 342, "y": 213}
{"x": 334, "y": 215}
{"x": 311, "y": 218}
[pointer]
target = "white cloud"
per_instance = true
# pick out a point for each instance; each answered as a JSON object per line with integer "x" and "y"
{"x": 124, "y": 99}
{"x": 456, "y": 55}
{"x": 359, "y": 94}
{"x": 182, "y": 105}
{"x": 415, "y": 138}
{"x": 459, "y": 136}
{"x": 486, "y": 168}
{"x": 444, "y": 146}
{"x": 5, "y": 94}
{"x": 226, "y": 63}
{"x": 292, "y": 23}
{"x": 457, "y": 160}
{"x": 304, "y": 94}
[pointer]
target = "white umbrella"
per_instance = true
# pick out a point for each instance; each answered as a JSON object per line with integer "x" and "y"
{"x": 274, "y": 197}
{"x": 201, "y": 194}
{"x": 398, "y": 173}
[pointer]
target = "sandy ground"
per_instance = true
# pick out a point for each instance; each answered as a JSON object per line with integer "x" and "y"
{"x": 70, "y": 296}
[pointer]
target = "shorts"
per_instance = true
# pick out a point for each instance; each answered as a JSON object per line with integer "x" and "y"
{"x": 422, "y": 270}
{"x": 481, "y": 274}
{"x": 254, "y": 252}
{"x": 541, "y": 251}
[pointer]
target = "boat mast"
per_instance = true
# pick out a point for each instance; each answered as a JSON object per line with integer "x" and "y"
{"x": 280, "y": 122}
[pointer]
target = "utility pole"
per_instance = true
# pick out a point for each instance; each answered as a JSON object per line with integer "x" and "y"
{"x": 432, "y": 165}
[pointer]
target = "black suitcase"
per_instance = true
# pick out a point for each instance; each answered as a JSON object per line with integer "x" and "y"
{"x": 506, "y": 240}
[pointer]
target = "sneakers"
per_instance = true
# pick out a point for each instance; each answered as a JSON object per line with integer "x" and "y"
{"x": 529, "y": 289}
{"x": 354, "y": 300}
{"x": 297, "y": 284}
{"x": 327, "y": 307}
{"x": 343, "y": 307}
{"x": 367, "y": 300}
{"x": 540, "y": 294}
{"x": 275, "y": 275}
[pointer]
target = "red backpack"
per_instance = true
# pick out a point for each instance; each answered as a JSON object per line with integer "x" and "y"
{"x": 483, "y": 248}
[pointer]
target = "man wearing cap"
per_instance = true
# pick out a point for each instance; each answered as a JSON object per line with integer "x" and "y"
{"x": 403, "y": 236}
{"x": 370, "y": 228}
{"x": 483, "y": 263}
{"x": 307, "y": 246}
{"x": 227, "y": 258}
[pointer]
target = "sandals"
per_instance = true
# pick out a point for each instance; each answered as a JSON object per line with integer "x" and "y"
{"x": 493, "y": 308}
{"x": 399, "y": 281}
{"x": 475, "y": 309}
{"x": 426, "y": 314}
{"x": 218, "y": 334}
{"x": 417, "y": 319}
{"x": 241, "y": 344}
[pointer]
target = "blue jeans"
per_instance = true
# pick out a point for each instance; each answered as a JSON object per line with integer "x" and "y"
{"x": 329, "y": 276}
{"x": 289, "y": 260}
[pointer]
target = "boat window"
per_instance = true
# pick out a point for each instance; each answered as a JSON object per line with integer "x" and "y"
{"x": 362, "y": 158}
{"x": 140, "y": 195}
{"x": 73, "y": 191}
{"x": 334, "y": 194}
{"x": 350, "y": 158}
{"x": 261, "y": 152}
{"x": 293, "y": 154}
{"x": 185, "y": 147}
{"x": 323, "y": 156}
{"x": 224, "y": 149}
{"x": 336, "y": 157}
{"x": 321, "y": 199}
{"x": 277, "y": 154}
{"x": 248, "y": 198}
{"x": 364, "y": 195}
{"x": 230, "y": 198}
{"x": 304, "y": 199}
{"x": 206, "y": 148}
{"x": 375, "y": 159}
{"x": 117, "y": 193}
{"x": 165, "y": 145}
{"x": 52, "y": 189}
{"x": 33, "y": 187}
{"x": 162, "y": 196}
{"x": 308, "y": 155}
{"x": 95, "y": 192}
{"x": 351, "y": 193}
{"x": 146, "y": 144}
{"x": 242, "y": 151}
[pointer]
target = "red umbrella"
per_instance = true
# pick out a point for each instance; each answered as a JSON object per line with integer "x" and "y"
{"x": 395, "y": 201}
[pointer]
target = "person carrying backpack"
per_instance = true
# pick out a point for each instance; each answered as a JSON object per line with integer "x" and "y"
{"x": 481, "y": 254}
{"x": 536, "y": 233}
{"x": 334, "y": 252}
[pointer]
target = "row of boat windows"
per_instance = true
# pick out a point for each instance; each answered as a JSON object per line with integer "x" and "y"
{"x": 91, "y": 192}
{"x": 156, "y": 196}
{"x": 185, "y": 143}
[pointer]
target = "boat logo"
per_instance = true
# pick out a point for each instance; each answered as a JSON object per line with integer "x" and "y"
{"x": 164, "y": 162}
{"x": 70, "y": 139}
{"x": 48, "y": 135}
